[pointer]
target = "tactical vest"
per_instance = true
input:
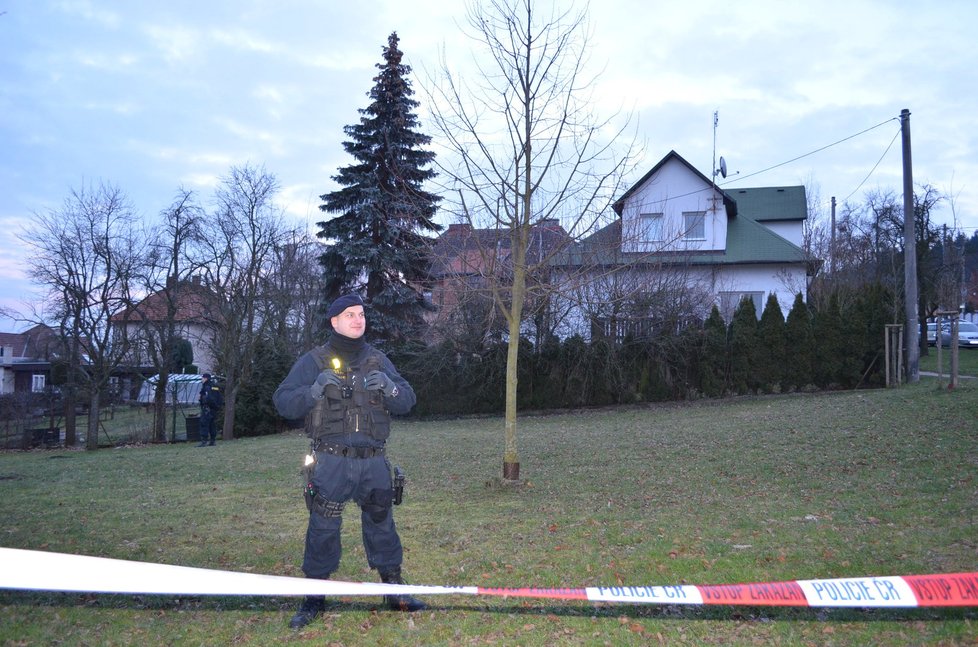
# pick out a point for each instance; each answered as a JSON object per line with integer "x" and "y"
{"x": 363, "y": 412}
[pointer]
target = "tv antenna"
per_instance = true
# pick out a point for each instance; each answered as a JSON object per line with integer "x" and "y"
{"x": 720, "y": 170}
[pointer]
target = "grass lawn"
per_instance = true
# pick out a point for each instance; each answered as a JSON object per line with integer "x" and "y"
{"x": 967, "y": 361}
{"x": 743, "y": 490}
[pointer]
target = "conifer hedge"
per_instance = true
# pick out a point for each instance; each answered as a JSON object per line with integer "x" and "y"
{"x": 836, "y": 346}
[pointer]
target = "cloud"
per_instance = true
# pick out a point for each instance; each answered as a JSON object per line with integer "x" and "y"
{"x": 175, "y": 43}
{"x": 86, "y": 10}
{"x": 243, "y": 39}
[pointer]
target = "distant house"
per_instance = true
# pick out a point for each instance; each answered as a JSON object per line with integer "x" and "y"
{"x": 719, "y": 246}
{"x": 193, "y": 313}
{"x": 466, "y": 261}
{"x": 26, "y": 358}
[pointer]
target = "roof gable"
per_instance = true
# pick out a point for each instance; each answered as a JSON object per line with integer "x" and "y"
{"x": 728, "y": 202}
{"x": 39, "y": 342}
{"x": 191, "y": 299}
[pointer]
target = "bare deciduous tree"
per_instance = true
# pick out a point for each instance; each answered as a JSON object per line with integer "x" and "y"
{"x": 241, "y": 241}
{"x": 292, "y": 292}
{"x": 87, "y": 254}
{"x": 166, "y": 272}
{"x": 524, "y": 148}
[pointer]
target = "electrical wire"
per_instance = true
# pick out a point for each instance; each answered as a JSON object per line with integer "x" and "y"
{"x": 875, "y": 166}
{"x": 795, "y": 159}
{"x": 817, "y": 150}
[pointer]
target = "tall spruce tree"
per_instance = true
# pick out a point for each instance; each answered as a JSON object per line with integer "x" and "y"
{"x": 376, "y": 245}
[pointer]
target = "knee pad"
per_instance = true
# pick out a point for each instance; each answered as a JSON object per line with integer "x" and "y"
{"x": 378, "y": 504}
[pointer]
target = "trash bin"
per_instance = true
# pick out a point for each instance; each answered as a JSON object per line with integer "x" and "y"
{"x": 193, "y": 427}
{"x": 46, "y": 436}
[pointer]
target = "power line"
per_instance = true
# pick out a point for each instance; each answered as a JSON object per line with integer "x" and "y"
{"x": 818, "y": 150}
{"x": 875, "y": 166}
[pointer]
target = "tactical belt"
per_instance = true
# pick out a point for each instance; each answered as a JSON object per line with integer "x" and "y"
{"x": 346, "y": 450}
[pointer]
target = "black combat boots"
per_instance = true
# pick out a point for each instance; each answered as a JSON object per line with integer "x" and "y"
{"x": 399, "y": 602}
{"x": 311, "y": 607}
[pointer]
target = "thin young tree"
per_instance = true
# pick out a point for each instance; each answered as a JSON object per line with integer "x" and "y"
{"x": 525, "y": 149}
{"x": 376, "y": 243}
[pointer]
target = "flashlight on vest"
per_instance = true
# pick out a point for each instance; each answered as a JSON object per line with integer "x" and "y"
{"x": 346, "y": 390}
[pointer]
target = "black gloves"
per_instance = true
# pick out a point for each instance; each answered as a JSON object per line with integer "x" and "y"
{"x": 374, "y": 381}
{"x": 378, "y": 381}
{"x": 324, "y": 378}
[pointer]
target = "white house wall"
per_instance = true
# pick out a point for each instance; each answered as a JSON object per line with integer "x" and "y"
{"x": 792, "y": 231}
{"x": 200, "y": 339}
{"x": 783, "y": 282}
{"x": 674, "y": 189}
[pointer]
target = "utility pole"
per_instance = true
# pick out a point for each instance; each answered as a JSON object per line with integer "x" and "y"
{"x": 832, "y": 240}
{"x": 910, "y": 256}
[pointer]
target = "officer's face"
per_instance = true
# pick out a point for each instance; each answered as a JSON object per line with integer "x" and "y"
{"x": 350, "y": 323}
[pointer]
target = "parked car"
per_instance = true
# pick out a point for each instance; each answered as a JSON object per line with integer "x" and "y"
{"x": 967, "y": 335}
{"x": 932, "y": 333}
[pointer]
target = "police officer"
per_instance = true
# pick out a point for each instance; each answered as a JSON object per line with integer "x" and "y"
{"x": 211, "y": 401}
{"x": 351, "y": 389}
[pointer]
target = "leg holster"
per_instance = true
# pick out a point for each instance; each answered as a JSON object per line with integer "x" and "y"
{"x": 319, "y": 504}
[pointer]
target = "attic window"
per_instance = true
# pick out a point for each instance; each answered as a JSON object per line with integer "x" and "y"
{"x": 651, "y": 227}
{"x": 694, "y": 225}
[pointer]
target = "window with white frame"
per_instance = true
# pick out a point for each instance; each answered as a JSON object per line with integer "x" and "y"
{"x": 37, "y": 383}
{"x": 651, "y": 227}
{"x": 694, "y": 225}
{"x": 729, "y": 301}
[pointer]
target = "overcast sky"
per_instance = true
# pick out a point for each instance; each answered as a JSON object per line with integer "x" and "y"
{"x": 155, "y": 95}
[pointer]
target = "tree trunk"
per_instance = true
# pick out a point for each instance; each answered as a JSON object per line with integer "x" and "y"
{"x": 230, "y": 396}
{"x": 511, "y": 456}
{"x": 91, "y": 438}
{"x": 159, "y": 410}
{"x": 70, "y": 419}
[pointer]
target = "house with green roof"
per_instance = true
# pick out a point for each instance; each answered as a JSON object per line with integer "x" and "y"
{"x": 681, "y": 242}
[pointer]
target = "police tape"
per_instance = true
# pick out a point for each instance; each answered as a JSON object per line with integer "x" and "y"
{"x": 44, "y": 571}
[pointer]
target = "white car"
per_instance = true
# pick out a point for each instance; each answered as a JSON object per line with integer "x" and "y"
{"x": 967, "y": 335}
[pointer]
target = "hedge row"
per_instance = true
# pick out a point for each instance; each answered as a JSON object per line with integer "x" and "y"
{"x": 837, "y": 346}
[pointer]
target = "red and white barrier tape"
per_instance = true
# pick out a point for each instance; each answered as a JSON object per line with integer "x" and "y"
{"x": 42, "y": 571}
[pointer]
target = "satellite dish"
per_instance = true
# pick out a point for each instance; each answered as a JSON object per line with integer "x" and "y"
{"x": 723, "y": 167}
